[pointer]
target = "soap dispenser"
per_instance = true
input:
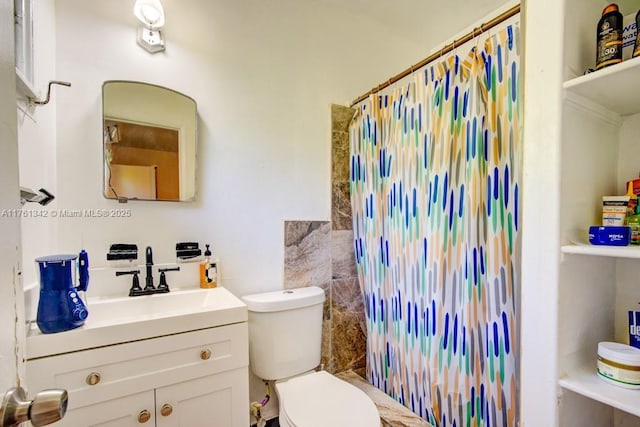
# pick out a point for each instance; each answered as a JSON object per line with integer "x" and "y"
{"x": 208, "y": 271}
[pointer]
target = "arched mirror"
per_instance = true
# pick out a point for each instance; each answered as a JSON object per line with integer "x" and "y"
{"x": 149, "y": 138}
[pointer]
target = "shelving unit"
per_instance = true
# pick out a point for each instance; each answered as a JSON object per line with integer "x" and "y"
{"x": 585, "y": 382}
{"x": 614, "y": 88}
{"x": 608, "y": 251}
{"x": 600, "y": 127}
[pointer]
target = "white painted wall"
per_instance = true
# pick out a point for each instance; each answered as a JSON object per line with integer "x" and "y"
{"x": 11, "y": 312}
{"x": 541, "y": 206}
{"x": 37, "y": 150}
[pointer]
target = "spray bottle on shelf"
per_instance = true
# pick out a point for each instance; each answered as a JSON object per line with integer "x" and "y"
{"x": 208, "y": 271}
{"x": 636, "y": 45}
{"x": 609, "y": 37}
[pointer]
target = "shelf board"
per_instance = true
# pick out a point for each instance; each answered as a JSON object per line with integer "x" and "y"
{"x": 587, "y": 383}
{"x": 615, "y": 87}
{"x": 601, "y": 250}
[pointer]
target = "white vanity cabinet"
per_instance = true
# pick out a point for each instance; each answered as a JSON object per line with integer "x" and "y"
{"x": 193, "y": 378}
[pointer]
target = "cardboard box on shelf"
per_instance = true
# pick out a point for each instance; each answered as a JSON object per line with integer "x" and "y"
{"x": 636, "y": 191}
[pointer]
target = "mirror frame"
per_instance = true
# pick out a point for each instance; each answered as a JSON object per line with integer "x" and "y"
{"x": 182, "y": 144}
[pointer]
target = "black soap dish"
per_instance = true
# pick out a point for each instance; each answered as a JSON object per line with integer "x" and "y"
{"x": 122, "y": 252}
{"x": 188, "y": 251}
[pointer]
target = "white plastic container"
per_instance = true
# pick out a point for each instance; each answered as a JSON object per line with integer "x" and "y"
{"x": 619, "y": 364}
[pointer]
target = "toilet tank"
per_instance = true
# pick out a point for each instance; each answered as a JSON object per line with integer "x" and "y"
{"x": 285, "y": 331}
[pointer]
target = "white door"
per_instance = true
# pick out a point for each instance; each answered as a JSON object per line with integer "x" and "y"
{"x": 11, "y": 312}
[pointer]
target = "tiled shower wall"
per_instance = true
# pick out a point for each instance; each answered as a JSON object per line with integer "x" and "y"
{"x": 320, "y": 253}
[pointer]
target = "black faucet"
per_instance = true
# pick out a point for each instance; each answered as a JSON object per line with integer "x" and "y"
{"x": 136, "y": 290}
{"x": 148, "y": 281}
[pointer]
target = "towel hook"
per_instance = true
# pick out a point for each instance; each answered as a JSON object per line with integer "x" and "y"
{"x": 46, "y": 101}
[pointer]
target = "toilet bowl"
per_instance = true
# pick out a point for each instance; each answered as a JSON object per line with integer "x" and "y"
{"x": 285, "y": 335}
{"x": 319, "y": 399}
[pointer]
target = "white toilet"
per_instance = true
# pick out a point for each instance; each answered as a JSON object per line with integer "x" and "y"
{"x": 285, "y": 335}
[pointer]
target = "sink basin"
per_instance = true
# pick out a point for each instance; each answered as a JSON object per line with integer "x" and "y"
{"x": 124, "y": 319}
{"x": 134, "y": 309}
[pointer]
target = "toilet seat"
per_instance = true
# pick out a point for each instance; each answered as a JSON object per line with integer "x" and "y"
{"x": 319, "y": 399}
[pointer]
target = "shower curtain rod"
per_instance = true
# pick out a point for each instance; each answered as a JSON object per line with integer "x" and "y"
{"x": 446, "y": 49}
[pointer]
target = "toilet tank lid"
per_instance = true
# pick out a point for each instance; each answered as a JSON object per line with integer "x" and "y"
{"x": 285, "y": 299}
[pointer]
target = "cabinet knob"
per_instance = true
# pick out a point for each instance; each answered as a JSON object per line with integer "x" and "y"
{"x": 144, "y": 416}
{"x": 93, "y": 378}
{"x": 205, "y": 354}
{"x": 166, "y": 410}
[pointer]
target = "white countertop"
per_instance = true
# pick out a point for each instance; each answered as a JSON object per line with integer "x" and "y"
{"x": 125, "y": 319}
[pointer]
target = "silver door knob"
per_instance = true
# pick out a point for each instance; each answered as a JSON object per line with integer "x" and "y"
{"x": 47, "y": 407}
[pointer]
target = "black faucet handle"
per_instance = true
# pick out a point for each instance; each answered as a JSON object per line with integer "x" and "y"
{"x": 122, "y": 273}
{"x": 135, "y": 285}
{"x": 163, "y": 286}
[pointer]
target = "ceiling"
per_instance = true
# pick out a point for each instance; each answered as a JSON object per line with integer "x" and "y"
{"x": 424, "y": 22}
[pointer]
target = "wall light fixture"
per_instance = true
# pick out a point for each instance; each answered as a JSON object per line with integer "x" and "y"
{"x": 151, "y": 14}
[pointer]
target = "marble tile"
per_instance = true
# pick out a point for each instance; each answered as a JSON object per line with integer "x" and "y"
{"x": 341, "y": 206}
{"x": 346, "y": 295}
{"x": 348, "y": 338}
{"x": 348, "y": 343}
{"x": 392, "y": 413}
{"x": 340, "y": 158}
{"x": 341, "y": 117}
{"x": 343, "y": 261}
{"x": 326, "y": 356}
{"x": 340, "y": 197}
{"x": 307, "y": 254}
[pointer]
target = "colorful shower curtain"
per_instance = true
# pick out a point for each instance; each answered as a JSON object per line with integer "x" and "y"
{"x": 435, "y": 170}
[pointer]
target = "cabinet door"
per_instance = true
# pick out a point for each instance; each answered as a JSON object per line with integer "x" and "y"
{"x": 128, "y": 411}
{"x": 219, "y": 400}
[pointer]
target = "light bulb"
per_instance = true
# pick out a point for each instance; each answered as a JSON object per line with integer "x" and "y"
{"x": 149, "y": 12}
